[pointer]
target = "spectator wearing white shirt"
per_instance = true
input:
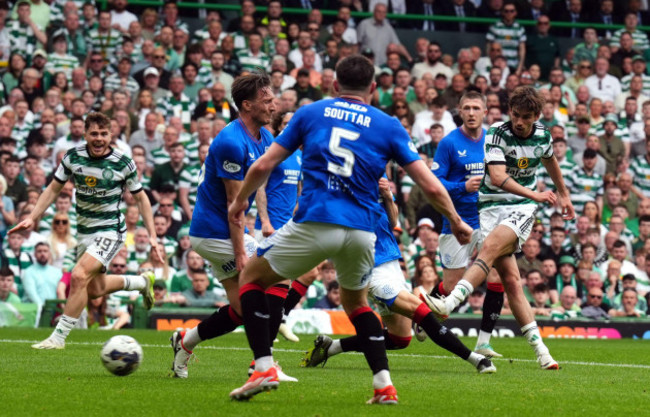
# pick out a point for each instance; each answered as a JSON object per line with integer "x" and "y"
{"x": 304, "y": 43}
{"x": 120, "y": 17}
{"x": 603, "y": 85}
{"x": 437, "y": 114}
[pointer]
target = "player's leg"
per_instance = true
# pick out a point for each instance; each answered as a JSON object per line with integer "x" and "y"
{"x": 500, "y": 242}
{"x": 410, "y": 306}
{"x": 291, "y": 251}
{"x": 492, "y": 305}
{"x": 86, "y": 269}
{"x": 298, "y": 290}
{"x": 509, "y": 272}
{"x": 275, "y": 297}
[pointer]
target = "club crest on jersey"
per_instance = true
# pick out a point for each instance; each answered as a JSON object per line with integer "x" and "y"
{"x": 522, "y": 163}
{"x": 412, "y": 147}
{"x": 107, "y": 174}
{"x": 91, "y": 181}
{"x": 462, "y": 153}
{"x": 231, "y": 167}
{"x": 435, "y": 166}
{"x": 538, "y": 152}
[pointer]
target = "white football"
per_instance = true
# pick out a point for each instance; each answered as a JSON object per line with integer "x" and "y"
{"x": 121, "y": 355}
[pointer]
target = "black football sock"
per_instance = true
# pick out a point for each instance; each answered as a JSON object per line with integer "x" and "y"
{"x": 297, "y": 291}
{"x": 255, "y": 313}
{"x": 392, "y": 342}
{"x": 492, "y": 305}
{"x": 440, "y": 335}
{"x": 223, "y": 321}
{"x": 275, "y": 297}
{"x": 370, "y": 338}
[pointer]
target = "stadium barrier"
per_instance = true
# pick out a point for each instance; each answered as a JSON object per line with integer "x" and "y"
{"x": 233, "y": 6}
{"x": 313, "y": 321}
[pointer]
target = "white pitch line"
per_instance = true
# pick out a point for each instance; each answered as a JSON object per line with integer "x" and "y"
{"x": 403, "y": 355}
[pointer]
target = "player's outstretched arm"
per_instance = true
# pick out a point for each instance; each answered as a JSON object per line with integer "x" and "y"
{"x": 500, "y": 178}
{"x": 43, "y": 202}
{"x": 563, "y": 195}
{"x": 439, "y": 198}
{"x": 144, "y": 206}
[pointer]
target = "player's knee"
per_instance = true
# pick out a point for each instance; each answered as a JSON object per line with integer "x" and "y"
{"x": 78, "y": 279}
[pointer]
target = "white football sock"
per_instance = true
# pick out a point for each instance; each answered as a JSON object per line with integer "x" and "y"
{"x": 264, "y": 363}
{"x": 134, "y": 282}
{"x": 458, "y": 294}
{"x": 381, "y": 379}
{"x": 63, "y": 327}
{"x": 483, "y": 338}
{"x": 534, "y": 338}
{"x": 335, "y": 348}
{"x": 475, "y": 358}
{"x": 191, "y": 338}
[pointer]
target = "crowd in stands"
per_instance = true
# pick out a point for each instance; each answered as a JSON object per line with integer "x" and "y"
{"x": 166, "y": 84}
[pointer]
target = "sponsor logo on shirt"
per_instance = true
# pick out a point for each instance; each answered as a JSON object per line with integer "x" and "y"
{"x": 231, "y": 167}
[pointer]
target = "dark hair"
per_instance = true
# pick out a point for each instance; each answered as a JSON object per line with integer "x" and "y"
{"x": 534, "y": 271}
{"x": 644, "y": 219}
{"x": 5, "y": 271}
{"x": 541, "y": 287}
{"x": 558, "y": 229}
{"x": 438, "y": 101}
{"x": 618, "y": 244}
{"x": 99, "y": 119}
{"x": 334, "y": 285}
{"x": 246, "y": 87}
{"x": 277, "y": 121}
{"x": 12, "y": 158}
{"x": 526, "y": 99}
{"x": 355, "y": 73}
{"x": 176, "y": 145}
{"x": 39, "y": 244}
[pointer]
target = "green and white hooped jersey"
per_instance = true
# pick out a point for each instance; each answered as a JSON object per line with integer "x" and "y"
{"x": 521, "y": 156}
{"x": 100, "y": 183}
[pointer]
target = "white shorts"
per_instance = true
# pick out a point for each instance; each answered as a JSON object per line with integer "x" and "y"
{"x": 518, "y": 218}
{"x": 102, "y": 246}
{"x": 386, "y": 282}
{"x": 297, "y": 248}
{"x": 220, "y": 254}
{"x": 258, "y": 235}
{"x": 453, "y": 255}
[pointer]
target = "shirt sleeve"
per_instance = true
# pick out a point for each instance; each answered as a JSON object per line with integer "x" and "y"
{"x": 494, "y": 152}
{"x": 230, "y": 159}
{"x": 548, "y": 151}
{"x": 131, "y": 176}
{"x": 63, "y": 172}
{"x": 441, "y": 166}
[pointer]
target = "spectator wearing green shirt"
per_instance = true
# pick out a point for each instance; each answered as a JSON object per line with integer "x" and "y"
{"x": 542, "y": 48}
{"x": 567, "y": 307}
{"x": 199, "y": 296}
{"x": 7, "y": 294}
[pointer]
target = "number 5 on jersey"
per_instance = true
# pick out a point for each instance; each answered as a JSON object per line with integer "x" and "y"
{"x": 344, "y": 170}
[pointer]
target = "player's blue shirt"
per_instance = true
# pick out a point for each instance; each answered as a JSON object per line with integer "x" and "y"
{"x": 282, "y": 191}
{"x": 386, "y": 248}
{"x": 346, "y": 147}
{"x": 458, "y": 158}
{"x": 230, "y": 156}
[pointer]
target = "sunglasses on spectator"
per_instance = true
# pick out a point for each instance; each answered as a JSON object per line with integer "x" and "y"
{"x": 119, "y": 265}
{"x": 595, "y": 296}
{"x": 400, "y": 107}
{"x": 59, "y": 221}
{"x": 509, "y": 10}
{"x": 95, "y": 61}
{"x": 166, "y": 205}
{"x": 159, "y": 56}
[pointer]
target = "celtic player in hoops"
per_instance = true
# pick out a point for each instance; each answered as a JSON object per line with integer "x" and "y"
{"x": 507, "y": 205}
{"x": 100, "y": 175}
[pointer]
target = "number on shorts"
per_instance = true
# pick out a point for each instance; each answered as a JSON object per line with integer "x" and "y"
{"x": 516, "y": 217}
{"x": 344, "y": 170}
{"x": 103, "y": 243}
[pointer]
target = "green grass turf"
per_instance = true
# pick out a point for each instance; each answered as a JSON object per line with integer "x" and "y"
{"x": 595, "y": 376}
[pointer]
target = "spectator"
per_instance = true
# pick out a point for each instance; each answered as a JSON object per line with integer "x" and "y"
{"x": 377, "y": 34}
{"x": 331, "y": 300}
{"x": 605, "y": 15}
{"x": 41, "y": 279}
{"x": 568, "y": 306}
{"x": 60, "y": 240}
{"x": 304, "y": 89}
{"x": 7, "y": 213}
{"x": 432, "y": 65}
{"x": 603, "y": 85}
{"x": 474, "y": 304}
{"x": 105, "y": 316}
{"x": 512, "y": 37}
{"x": 7, "y": 287}
{"x": 596, "y": 307}
{"x": 542, "y": 48}
{"x": 639, "y": 38}
{"x": 459, "y": 8}
{"x": 533, "y": 278}
{"x": 628, "y": 307}
{"x": 529, "y": 261}
{"x": 565, "y": 278}
{"x": 540, "y": 304}
{"x": 199, "y": 296}
{"x": 574, "y": 13}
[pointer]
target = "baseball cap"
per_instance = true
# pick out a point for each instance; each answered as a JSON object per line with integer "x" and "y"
{"x": 151, "y": 71}
{"x": 611, "y": 117}
{"x": 566, "y": 259}
{"x": 41, "y": 53}
{"x": 638, "y": 58}
{"x": 386, "y": 71}
{"x": 368, "y": 52}
{"x": 426, "y": 222}
{"x": 160, "y": 283}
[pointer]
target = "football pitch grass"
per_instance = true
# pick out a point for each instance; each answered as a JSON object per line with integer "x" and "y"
{"x": 596, "y": 376}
